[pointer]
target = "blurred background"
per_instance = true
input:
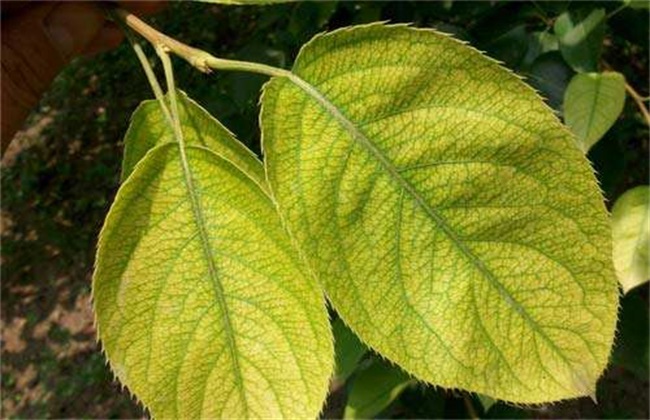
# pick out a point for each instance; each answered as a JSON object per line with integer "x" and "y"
{"x": 61, "y": 172}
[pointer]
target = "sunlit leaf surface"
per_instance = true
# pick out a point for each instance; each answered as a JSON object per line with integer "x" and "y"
{"x": 149, "y": 128}
{"x": 202, "y": 305}
{"x": 453, "y": 222}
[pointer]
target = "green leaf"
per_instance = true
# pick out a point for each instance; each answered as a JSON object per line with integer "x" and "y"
{"x": 580, "y": 34}
{"x": 517, "y": 47}
{"x": 550, "y": 74}
{"x": 202, "y": 306}
{"x": 592, "y": 104}
{"x": 454, "y": 224}
{"x": 149, "y": 128}
{"x": 486, "y": 402}
{"x": 631, "y": 235}
{"x": 510, "y": 47}
{"x": 539, "y": 43}
{"x": 348, "y": 349}
{"x": 373, "y": 389}
{"x": 637, "y": 4}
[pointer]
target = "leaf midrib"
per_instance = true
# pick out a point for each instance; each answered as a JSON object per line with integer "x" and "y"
{"x": 386, "y": 164}
{"x": 592, "y": 111}
{"x": 199, "y": 220}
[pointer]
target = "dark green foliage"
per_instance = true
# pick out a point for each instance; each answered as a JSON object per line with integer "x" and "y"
{"x": 631, "y": 351}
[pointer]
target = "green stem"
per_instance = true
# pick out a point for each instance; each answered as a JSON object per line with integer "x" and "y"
{"x": 151, "y": 76}
{"x": 638, "y": 99}
{"x": 542, "y": 15}
{"x": 153, "y": 82}
{"x": 224, "y": 64}
{"x": 146, "y": 66}
{"x": 171, "y": 89}
{"x": 200, "y": 59}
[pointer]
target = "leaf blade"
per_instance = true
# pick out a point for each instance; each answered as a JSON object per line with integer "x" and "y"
{"x": 374, "y": 389}
{"x": 188, "y": 347}
{"x": 148, "y": 129}
{"x": 631, "y": 235}
{"x": 365, "y": 157}
{"x": 581, "y": 35}
{"x": 592, "y": 104}
{"x": 349, "y": 350}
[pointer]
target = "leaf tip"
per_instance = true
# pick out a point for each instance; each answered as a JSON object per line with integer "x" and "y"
{"x": 585, "y": 384}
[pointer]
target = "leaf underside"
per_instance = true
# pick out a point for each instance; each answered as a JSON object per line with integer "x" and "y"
{"x": 454, "y": 224}
{"x": 149, "y": 128}
{"x": 580, "y": 34}
{"x": 348, "y": 351}
{"x": 202, "y": 306}
{"x": 631, "y": 236}
{"x": 373, "y": 389}
{"x": 592, "y": 103}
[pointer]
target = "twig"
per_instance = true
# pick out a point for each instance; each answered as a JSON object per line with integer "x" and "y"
{"x": 146, "y": 66}
{"x": 200, "y": 59}
{"x": 470, "y": 407}
{"x": 194, "y": 56}
{"x": 542, "y": 15}
{"x": 639, "y": 102}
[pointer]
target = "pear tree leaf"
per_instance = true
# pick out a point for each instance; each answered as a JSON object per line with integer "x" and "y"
{"x": 374, "y": 389}
{"x": 486, "y": 402}
{"x": 454, "y": 224}
{"x": 348, "y": 349}
{"x": 202, "y": 306}
{"x": 637, "y": 4}
{"x": 580, "y": 35}
{"x": 540, "y": 43}
{"x": 511, "y": 47}
{"x": 149, "y": 128}
{"x": 550, "y": 74}
{"x": 631, "y": 236}
{"x": 592, "y": 104}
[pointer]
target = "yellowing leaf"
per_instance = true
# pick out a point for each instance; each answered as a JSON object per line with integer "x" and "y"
{"x": 202, "y": 306}
{"x": 450, "y": 217}
{"x": 149, "y": 128}
{"x": 592, "y": 103}
{"x": 374, "y": 389}
{"x": 631, "y": 234}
